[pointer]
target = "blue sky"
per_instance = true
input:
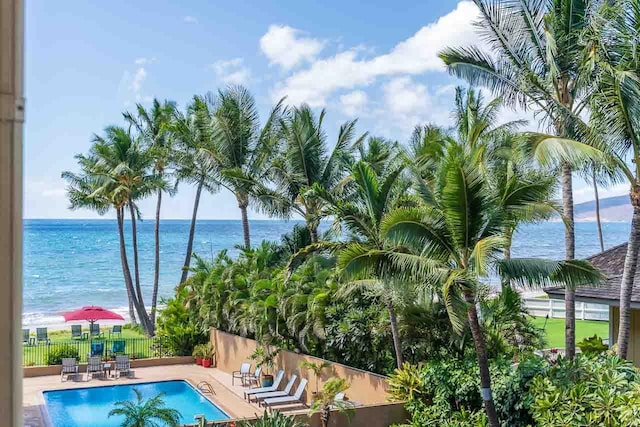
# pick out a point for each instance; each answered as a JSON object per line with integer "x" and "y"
{"x": 87, "y": 62}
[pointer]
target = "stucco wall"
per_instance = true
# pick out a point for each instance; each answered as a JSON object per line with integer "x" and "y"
{"x": 366, "y": 387}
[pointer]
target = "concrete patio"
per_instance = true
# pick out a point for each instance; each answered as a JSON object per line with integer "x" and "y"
{"x": 229, "y": 398}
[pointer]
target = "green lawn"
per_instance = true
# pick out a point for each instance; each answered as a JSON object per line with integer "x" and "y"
{"x": 584, "y": 328}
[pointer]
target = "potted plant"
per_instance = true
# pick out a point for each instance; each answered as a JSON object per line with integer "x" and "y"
{"x": 209, "y": 352}
{"x": 317, "y": 369}
{"x": 265, "y": 356}
{"x": 198, "y": 353}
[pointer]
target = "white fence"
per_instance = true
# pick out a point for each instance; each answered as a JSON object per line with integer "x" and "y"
{"x": 555, "y": 309}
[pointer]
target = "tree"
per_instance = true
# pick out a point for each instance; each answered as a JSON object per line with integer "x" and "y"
{"x": 145, "y": 413}
{"x": 191, "y": 134}
{"x": 452, "y": 242}
{"x": 307, "y": 168}
{"x": 325, "y": 400}
{"x": 153, "y": 126}
{"x": 535, "y": 60}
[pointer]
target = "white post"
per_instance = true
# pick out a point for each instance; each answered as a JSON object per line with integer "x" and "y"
{"x": 550, "y": 308}
{"x": 582, "y": 312}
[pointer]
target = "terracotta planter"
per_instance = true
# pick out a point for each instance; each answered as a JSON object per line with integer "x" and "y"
{"x": 198, "y": 360}
{"x": 206, "y": 363}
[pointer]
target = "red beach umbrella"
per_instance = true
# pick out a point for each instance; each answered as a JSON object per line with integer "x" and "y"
{"x": 91, "y": 313}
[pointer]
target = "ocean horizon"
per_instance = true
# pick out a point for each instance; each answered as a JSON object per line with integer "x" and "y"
{"x": 69, "y": 263}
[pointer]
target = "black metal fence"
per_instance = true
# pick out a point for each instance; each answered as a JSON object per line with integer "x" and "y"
{"x": 51, "y": 352}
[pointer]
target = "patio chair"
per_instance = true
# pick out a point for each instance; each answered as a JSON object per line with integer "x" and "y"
{"x": 287, "y": 400}
{"x": 122, "y": 365}
{"x": 254, "y": 378}
{"x": 94, "y": 331}
{"x": 245, "y": 369}
{"x": 116, "y": 330}
{"x": 76, "y": 332}
{"x": 94, "y": 367}
{"x": 274, "y": 387}
{"x": 97, "y": 349}
{"x": 69, "y": 367}
{"x": 117, "y": 347}
{"x": 42, "y": 335}
{"x": 277, "y": 393}
{"x": 26, "y": 338}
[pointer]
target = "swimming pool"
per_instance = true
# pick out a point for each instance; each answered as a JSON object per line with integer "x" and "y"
{"x": 89, "y": 407}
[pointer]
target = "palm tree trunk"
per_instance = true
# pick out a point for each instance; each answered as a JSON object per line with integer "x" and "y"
{"x": 192, "y": 231}
{"x": 243, "y": 204}
{"x": 597, "y": 200}
{"x": 483, "y": 362}
{"x": 156, "y": 271}
{"x": 125, "y": 266}
{"x": 628, "y": 275}
{"x": 142, "y": 313}
{"x": 570, "y": 247}
{"x": 395, "y": 334}
{"x": 324, "y": 416}
{"x": 508, "y": 234}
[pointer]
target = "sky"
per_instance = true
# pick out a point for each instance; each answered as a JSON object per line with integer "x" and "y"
{"x": 87, "y": 62}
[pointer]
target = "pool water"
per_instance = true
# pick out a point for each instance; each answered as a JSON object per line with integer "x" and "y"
{"x": 90, "y": 407}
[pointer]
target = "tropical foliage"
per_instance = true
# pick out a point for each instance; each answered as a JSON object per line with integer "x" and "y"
{"x": 145, "y": 413}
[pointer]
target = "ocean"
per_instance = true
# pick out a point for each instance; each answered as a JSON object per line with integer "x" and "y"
{"x": 72, "y": 263}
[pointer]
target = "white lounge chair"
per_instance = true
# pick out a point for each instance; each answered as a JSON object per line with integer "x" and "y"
{"x": 94, "y": 367}
{"x": 122, "y": 365}
{"x": 274, "y": 387}
{"x": 282, "y": 393}
{"x": 296, "y": 398}
{"x": 245, "y": 370}
{"x": 254, "y": 378}
{"x": 69, "y": 367}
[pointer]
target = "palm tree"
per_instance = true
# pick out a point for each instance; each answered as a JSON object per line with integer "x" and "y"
{"x": 242, "y": 150}
{"x": 535, "y": 60}
{"x": 191, "y": 134}
{"x": 325, "y": 400}
{"x": 145, "y": 413}
{"x": 153, "y": 125}
{"x": 307, "y": 168}
{"x": 454, "y": 239}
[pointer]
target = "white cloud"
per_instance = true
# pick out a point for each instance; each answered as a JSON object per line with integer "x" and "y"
{"x": 286, "y": 47}
{"x": 190, "y": 19}
{"x": 232, "y": 71}
{"x": 353, "y": 103}
{"x": 144, "y": 60}
{"x": 136, "y": 82}
{"x": 415, "y": 55}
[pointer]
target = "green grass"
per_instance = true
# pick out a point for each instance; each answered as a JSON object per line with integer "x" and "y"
{"x": 136, "y": 346}
{"x": 584, "y": 328}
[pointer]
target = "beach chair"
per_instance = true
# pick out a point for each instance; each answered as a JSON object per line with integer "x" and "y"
{"x": 97, "y": 349}
{"x": 287, "y": 400}
{"x": 42, "y": 335}
{"x": 116, "y": 331}
{"x": 94, "y": 367}
{"x": 274, "y": 387}
{"x": 254, "y": 378}
{"x": 245, "y": 369}
{"x": 94, "y": 331}
{"x": 122, "y": 365}
{"x": 76, "y": 332}
{"x": 117, "y": 347}
{"x": 277, "y": 393}
{"x": 69, "y": 367}
{"x": 26, "y": 338}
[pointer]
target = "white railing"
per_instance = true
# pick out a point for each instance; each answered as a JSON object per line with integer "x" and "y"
{"x": 555, "y": 309}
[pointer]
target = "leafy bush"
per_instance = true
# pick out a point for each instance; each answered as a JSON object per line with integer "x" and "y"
{"x": 177, "y": 328}
{"x": 275, "y": 419}
{"x": 447, "y": 392}
{"x": 57, "y": 353}
{"x": 592, "y": 345}
{"x": 599, "y": 390}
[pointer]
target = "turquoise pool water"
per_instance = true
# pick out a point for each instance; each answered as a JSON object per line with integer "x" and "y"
{"x": 89, "y": 407}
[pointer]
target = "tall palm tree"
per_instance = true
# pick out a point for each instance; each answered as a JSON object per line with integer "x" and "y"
{"x": 153, "y": 125}
{"x": 307, "y": 166}
{"x": 191, "y": 135}
{"x": 454, "y": 239}
{"x": 242, "y": 149}
{"x": 145, "y": 413}
{"x": 534, "y": 59}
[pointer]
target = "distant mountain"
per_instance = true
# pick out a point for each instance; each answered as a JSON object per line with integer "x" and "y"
{"x": 616, "y": 208}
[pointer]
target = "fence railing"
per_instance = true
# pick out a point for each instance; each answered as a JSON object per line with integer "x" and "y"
{"x": 50, "y": 353}
{"x": 555, "y": 309}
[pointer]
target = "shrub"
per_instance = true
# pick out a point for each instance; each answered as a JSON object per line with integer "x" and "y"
{"x": 275, "y": 419}
{"x": 601, "y": 390}
{"x": 57, "y": 353}
{"x": 592, "y": 345}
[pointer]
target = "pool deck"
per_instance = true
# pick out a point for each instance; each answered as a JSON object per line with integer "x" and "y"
{"x": 227, "y": 397}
